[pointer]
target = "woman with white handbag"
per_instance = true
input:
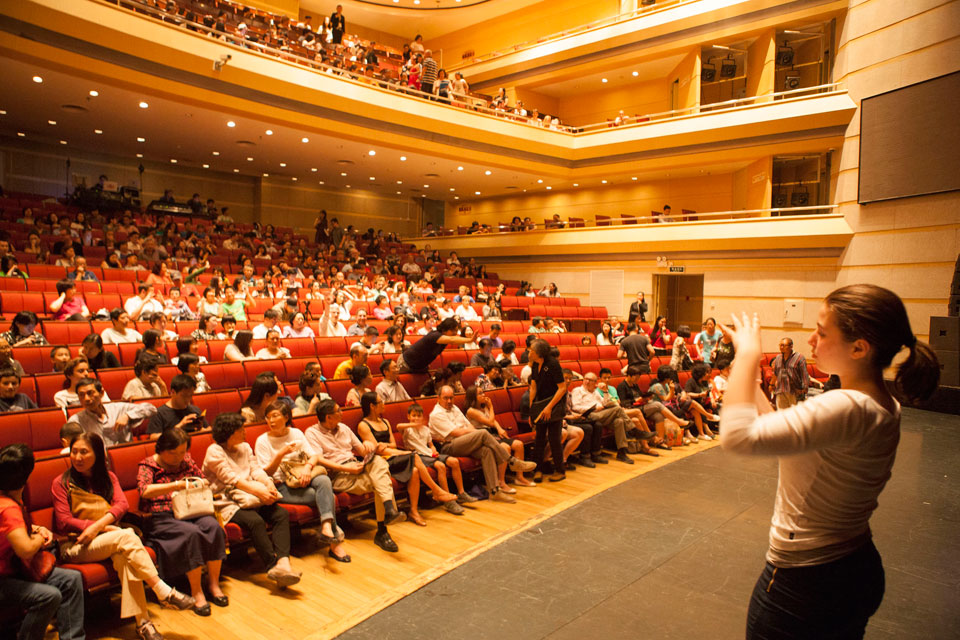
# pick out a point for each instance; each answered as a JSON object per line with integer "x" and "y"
{"x": 181, "y": 526}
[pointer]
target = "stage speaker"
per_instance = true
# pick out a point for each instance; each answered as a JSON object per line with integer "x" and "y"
{"x": 791, "y": 82}
{"x": 784, "y": 55}
{"x": 945, "y": 333}
{"x": 949, "y": 368}
{"x": 800, "y": 197}
{"x": 728, "y": 67}
{"x": 708, "y": 72}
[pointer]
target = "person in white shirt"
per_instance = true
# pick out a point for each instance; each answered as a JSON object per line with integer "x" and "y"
{"x": 273, "y": 350}
{"x": 460, "y": 438}
{"x": 587, "y": 401}
{"x": 281, "y": 444}
{"x": 144, "y": 303}
{"x": 824, "y": 576}
{"x": 466, "y": 312}
{"x": 337, "y": 448}
{"x": 120, "y": 333}
{"x": 330, "y": 324}
{"x": 270, "y": 319}
{"x": 147, "y": 383}
{"x": 389, "y": 389}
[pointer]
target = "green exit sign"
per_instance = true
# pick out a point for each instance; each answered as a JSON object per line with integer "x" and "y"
{"x": 677, "y": 269}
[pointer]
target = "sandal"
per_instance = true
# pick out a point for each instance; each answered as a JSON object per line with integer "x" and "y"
{"x": 417, "y": 519}
{"x": 507, "y": 489}
{"x": 664, "y": 446}
{"x": 650, "y": 452}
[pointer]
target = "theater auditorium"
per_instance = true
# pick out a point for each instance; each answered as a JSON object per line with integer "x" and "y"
{"x": 482, "y": 319}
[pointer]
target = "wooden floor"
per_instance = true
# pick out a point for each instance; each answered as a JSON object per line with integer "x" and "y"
{"x": 333, "y": 597}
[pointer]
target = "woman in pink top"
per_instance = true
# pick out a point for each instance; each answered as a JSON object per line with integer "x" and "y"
{"x": 824, "y": 577}
{"x": 69, "y": 306}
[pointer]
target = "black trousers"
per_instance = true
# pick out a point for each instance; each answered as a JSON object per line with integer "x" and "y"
{"x": 828, "y": 601}
{"x": 552, "y": 431}
{"x": 592, "y": 437}
{"x": 255, "y": 521}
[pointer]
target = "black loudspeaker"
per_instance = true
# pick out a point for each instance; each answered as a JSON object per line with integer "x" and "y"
{"x": 949, "y": 368}
{"x": 708, "y": 71}
{"x": 728, "y": 67}
{"x": 779, "y": 199}
{"x": 784, "y": 56}
{"x": 800, "y": 197}
{"x": 791, "y": 82}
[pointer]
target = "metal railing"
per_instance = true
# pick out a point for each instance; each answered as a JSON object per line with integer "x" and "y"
{"x": 684, "y": 218}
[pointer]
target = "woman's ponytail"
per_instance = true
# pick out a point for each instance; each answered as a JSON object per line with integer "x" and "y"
{"x": 919, "y": 375}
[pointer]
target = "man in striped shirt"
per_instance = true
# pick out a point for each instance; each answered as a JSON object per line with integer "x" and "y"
{"x": 429, "y": 75}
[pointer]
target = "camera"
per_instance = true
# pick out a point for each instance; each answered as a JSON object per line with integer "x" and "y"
{"x": 219, "y": 63}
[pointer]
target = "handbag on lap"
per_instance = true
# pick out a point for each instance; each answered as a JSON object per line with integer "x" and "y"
{"x": 195, "y": 500}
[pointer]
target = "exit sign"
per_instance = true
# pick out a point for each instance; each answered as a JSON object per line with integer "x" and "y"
{"x": 677, "y": 269}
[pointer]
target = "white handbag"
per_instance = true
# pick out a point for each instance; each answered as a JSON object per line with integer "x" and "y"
{"x": 195, "y": 500}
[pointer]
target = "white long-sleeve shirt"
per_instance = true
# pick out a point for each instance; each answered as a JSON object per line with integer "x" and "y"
{"x": 836, "y": 452}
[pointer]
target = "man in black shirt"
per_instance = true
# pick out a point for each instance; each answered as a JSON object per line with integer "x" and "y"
{"x": 417, "y": 357}
{"x": 10, "y": 397}
{"x": 547, "y": 405}
{"x": 637, "y": 348}
{"x": 179, "y": 410}
{"x": 338, "y": 24}
{"x": 653, "y": 411}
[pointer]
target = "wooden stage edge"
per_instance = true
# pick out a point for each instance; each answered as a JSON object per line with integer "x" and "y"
{"x": 398, "y": 592}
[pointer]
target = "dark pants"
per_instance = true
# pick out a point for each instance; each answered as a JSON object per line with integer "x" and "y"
{"x": 592, "y": 443}
{"x": 60, "y": 595}
{"x": 827, "y": 601}
{"x": 552, "y": 431}
{"x": 255, "y": 521}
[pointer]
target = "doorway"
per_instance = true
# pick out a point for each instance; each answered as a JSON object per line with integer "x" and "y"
{"x": 680, "y": 299}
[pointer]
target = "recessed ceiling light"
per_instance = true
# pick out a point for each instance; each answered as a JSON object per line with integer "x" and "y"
{"x": 416, "y": 1}
{"x": 403, "y": 158}
{"x": 206, "y": 166}
{"x": 21, "y": 134}
{"x": 141, "y": 139}
{"x": 304, "y": 140}
{"x": 371, "y": 152}
{"x": 216, "y": 153}
{"x": 94, "y": 93}
{"x": 322, "y": 182}
{"x": 343, "y": 173}
{"x": 98, "y": 131}
{"x": 603, "y": 80}
{"x": 51, "y": 122}
{"x": 549, "y": 188}
{"x": 249, "y": 159}
{"x": 38, "y": 79}
{"x": 477, "y": 192}
{"x": 456, "y": 197}
{"x": 3, "y": 112}
{"x": 283, "y": 164}
{"x": 459, "y": 168}
{"x": 173, "y": 161}
{"x": 269, "y": 132}
{"x": 143, "y": 105}
{"x": 636, "y": 73}
{"x": 603, "y": 181}
{"x": 231, "y": 123}
{"x": 487, "y": 172}
{"x": 452, "y": 189}
{"x": 314, "y": 169}
{"x": 540, "y": 181}
{"x": 634, "y": 178}
{"x": 236, "y": 170}
{"x": 266, "y": 175}
{"x": 398, "y": 193}
{"x": 348, "y": 186}
{"x": 372, "y": 178}
{"x": 399, "y": 181}
{"x": 576, "y": 184}
{"x": 139, "y": 155}
{"x": 294, "y": 178}
{"x": 63, "y": 142}
{"x": 426, "y": 186}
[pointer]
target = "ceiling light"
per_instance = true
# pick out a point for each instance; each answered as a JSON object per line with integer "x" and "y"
{"x": 231, "y": 123}
{"x": 216, "y": 153}
{"x": 477, "y": 192}
{"x": 416, "y": 1}
{"x": 487, "y": 172}
{"x": 398, "y": 193}
{"x": 173, "y": 161}
{"x": 456, "y": 197}
{"x": 372, "y": 178}
{"x": 94, "y": 93}
{"x": 399, "y": 181}
{"x": 3, "y": 112}
{"x": 304, "y": 140}
{"x": 636, "y": 73}
{"x": 426, "y": 186}
{"x": 403, "y": 158}
{"x": 314, "y": 169}
{"x": 98, "y": 131}
{"x": 51, "y": 122}
{"x": 249, "y": 159}
{"x": 283, "y": 164}
{"x": 141, "y": 139}
{"x": 576, "y": 184}
{"x": 634, "y": 178}
{"x": 236, "y": 170}
{"x": 603, "y": 181}
{"x": 540, "y": 181}
{"x": 459, "y": 168}
{"x": 266, "y": 175}
{"x": 322, "y": 182}
{"x": 63, "y": 142}
{"x": 206, "y": 166}
{"x": 294, "y": 178}
{"x": 269, "y": 132}
{"x": 371, "y": 152}
{"x": 139, "y": 155}
{"x": 143, "y": 105}
{"x": 21, "y": 134}
{"x": 38, "y": 79}
{"x": 603, "y": 80}
{"x": 343, "y": 173}
{"x": 348, "y": 186}
{"x": 452, "y": 189}
{"x": 549, "y": 188}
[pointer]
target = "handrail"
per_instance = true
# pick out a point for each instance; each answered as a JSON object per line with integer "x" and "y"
{"x": 468, "y": 101}
{"x": 577, "y": 224}
{"x": 573, "y": 31}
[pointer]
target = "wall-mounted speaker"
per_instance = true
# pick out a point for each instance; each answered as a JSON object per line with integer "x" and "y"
{"x": 728, "y": 67}
{"x": 785, "y": 55}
